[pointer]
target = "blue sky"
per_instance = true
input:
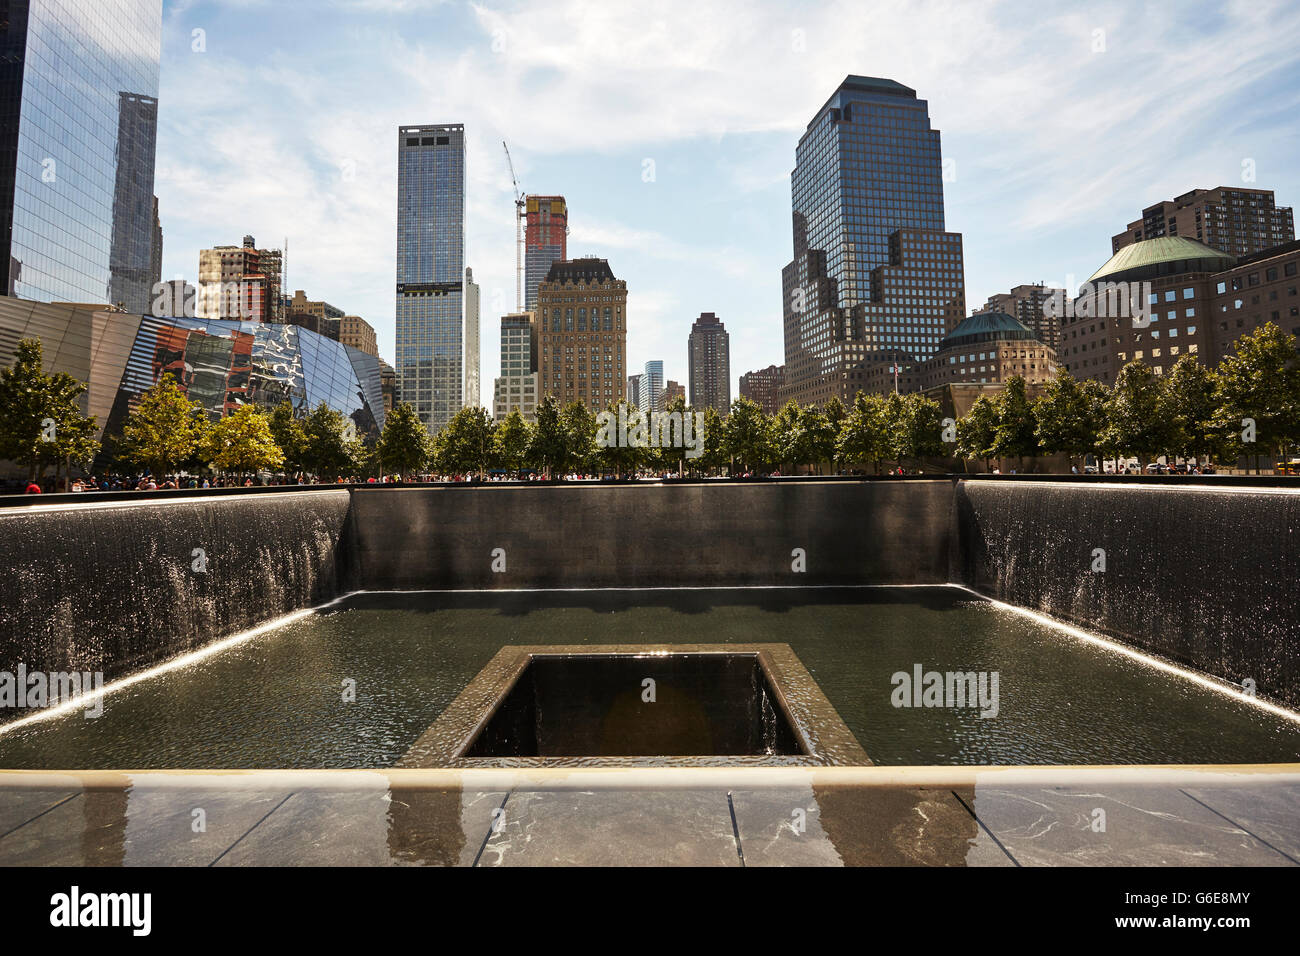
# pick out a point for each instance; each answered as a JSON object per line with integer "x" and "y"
{"x": 279, "y": 119}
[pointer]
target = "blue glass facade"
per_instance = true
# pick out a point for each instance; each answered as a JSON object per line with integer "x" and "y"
{"x": 78, "y": 128}
{"x": 874, "y": 272}
{"x": 431, "y": 270}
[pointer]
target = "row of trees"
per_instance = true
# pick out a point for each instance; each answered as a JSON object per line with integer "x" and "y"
{"x": 1248, "y": 406}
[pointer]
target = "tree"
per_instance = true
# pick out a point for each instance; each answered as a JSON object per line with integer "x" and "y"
{"x": 512, "y": 438}
{"x": 242, "y": 442}
{"x": 165, "y": 429}
{"x": 579, "y": 427}
{"x": 289, "y": 434}
{"x": 863, "y": 436}
{"x": 1135, "y": 424}
{"x": 824, "y": 431}
{"x": 919, "y": 432}
{"x": 617, "y": 449}
{"x": 714, "y": 438}
{"x": 405, "y": 446}
{"x": 1017, "y": 434}
{"x": 331, "y": 446}
{"x": 467, "y": 443}
{"x": 977, "y": 430}
{"x": 1190, "y": 405}
{"x": 1260, "y": 384}
{"x": 548, "y": 447}
{"x": 1068, "y": 419}
{"x": 789, "y": 440}
{"x": 748, "y": 435}
{"x": 40, "y": 417}
{"x": 671, "y": 454}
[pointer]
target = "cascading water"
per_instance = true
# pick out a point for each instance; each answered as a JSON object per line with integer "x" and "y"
{"x": 1202, "y": 575}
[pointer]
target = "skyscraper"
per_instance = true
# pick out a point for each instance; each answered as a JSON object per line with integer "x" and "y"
{"x": 431, "y": 270}
{"x": 471, "y": 340}
{"x": 875, "y": 276}
{"x": 652, "y": 386}
{"x": 78, "y": 131}
{"x": 582, "y": 326}
{"x": 545, "y": 241}
{"x": 709, "y": 355}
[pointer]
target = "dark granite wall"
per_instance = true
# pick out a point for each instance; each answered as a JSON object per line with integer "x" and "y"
{"x": 706, "y": 535}
{"x": 1204, "y": 576}
{"x": 113, "y": 587}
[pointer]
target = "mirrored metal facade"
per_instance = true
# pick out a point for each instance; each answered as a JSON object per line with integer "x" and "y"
{"x": 78, "y": 132}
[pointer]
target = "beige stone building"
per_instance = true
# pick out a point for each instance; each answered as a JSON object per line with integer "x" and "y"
{"x": 582, "y": 334}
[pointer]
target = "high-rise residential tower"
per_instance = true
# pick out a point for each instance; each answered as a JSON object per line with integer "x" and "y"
{"x": 78, "y": 132}
{"x": 545, "y": 241}
{"x": 1026, "y": 304}
{"x": 431, "y": 270}
{"x": 875, "y": 274}
{"x": 582, "y": 327}
{"x": 762, "y": 386}
{"x": 1232, "y": 219}
{"x": 709, "y": 355}
{"x": 652, "y": 386}
{"x": 471, "y": 340}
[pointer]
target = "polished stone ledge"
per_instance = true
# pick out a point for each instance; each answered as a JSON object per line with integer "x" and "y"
{"x": 769, "y": 816}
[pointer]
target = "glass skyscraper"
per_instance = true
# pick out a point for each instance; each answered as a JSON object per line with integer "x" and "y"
{"x": 431, "y": 270}
{"x": 78, "y": 129}
{"x": 875, "y": 277}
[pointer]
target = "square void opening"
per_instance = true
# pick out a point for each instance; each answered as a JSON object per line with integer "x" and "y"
{"x": 597, "y": 705}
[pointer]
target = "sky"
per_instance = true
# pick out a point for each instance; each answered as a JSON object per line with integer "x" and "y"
{"x": 671, "y": 127}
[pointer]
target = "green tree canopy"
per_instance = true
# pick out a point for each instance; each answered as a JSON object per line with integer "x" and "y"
{"x": 1191, "y": 405}
{"x": 748, "y": 435}
{"x": 242, "y": 442}
{"x": 977, "y": 430}
{"x": 1260, "y": 383}
{"x": 40, "y": 416}
{"x": 331, "y": 448}
{"x": 405, "y": 446}
{"x": 1017, "y": 434}
{"x": 918, "y": 432}
{"x": 512, "y": 438}
{"x": 467, "y": 443}
{"x": 1135, "y": 424}
{"x": 1069, "y": 419}
{"x": 165, "y": 429}
{"x": 863, "y": 434}
{"x": 548, "y": 449}
{"x": 290, "y": 435}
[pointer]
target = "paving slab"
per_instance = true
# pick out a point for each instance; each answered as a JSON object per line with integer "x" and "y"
{"x": 1115, "y": 826}
{"x": 613, "y": 828}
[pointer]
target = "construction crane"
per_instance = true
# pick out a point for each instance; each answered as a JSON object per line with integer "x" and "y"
{"x": 521, "y": 213}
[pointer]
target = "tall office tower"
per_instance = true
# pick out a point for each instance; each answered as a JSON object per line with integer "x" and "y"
{"x": 471, "y": 340}
{"x": 516, "y": 388}
{"x": 652, "y": 386}
{"x": 874, "y": 274}
{"x": 431, "y": 270}
{"x": 1025, "y": 304}
{"x": 709, "y": 355}
{"x": 763, "y": 386}
{"x": 240, "y": 282}
{"x": 78, "y": 129}
{"x": 1240, "y": 222}
{"x": 634, "y": 389}
{"x": 545, "y": 241}
{"x": 582, "y": 325}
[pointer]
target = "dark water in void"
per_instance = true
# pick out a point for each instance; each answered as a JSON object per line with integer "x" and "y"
{"x": 277, "y": 700}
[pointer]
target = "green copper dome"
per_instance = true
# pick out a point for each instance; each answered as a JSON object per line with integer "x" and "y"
{"x": 984, "y": 327}
{"x": 1169, "y": 255}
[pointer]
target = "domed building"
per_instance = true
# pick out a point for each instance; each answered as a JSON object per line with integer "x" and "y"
{"x": 987, "y": 349}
